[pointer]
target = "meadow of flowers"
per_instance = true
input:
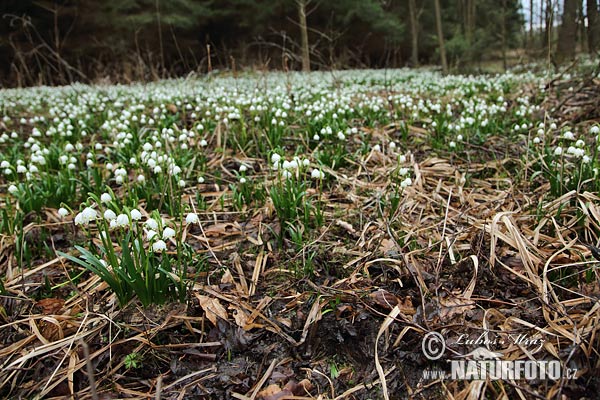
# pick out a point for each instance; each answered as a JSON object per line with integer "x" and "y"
{"x": 251, "y": 198}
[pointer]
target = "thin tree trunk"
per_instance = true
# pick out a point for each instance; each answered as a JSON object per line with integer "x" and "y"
{"x": 530, "y": 37}
{"x": 414, "y": 33}
{"x": 568, "y": 32}
{"x": 503, "y": 33}
{"x": 303, "y": 35}
{"x": 160, "y": 41}
{"x": 440, "y": 34}
{"x": 548, "y": 33}
{"x": 593, "y": 28}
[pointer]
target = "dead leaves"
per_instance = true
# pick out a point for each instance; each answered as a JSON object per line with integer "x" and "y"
{"x": 292, "y": 388}
{"x": 212, "y": 308}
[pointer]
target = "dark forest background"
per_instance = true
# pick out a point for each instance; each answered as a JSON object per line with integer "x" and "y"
{"x": 62, "y": 41}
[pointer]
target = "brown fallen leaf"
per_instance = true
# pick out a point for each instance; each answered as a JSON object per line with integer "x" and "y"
{"x": 50, "y": 305}
{"x": 212, "y": 307}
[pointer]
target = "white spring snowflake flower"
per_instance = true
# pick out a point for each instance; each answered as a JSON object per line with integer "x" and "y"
{"x": 192, "y": 218}
{"x": 242, "y": 180}
{"x": 275, "y": 158}
{"x": 377, "y": 148}
{"x": 168, "y": 233}
{"x": 136, "y": 215}
{"x": 105, "y": 198}
{"x": 568, "y": 135}
{"x": 63, "y": 212}
{"x": 109, "y": 215}
{"x": 200, "y": 179}
{"x": 85, "y": 216}
{"x": 558, "y": 151}
{"x": 317, "y": 174}
{"x": 181, "y": 183}
{"x": 152, "y": 224}
{"x": 122, "y": 220}
{"x": 594, "y": 130}
{"x": 286, "y": 174}
{"x": 536, "y": 140}
{"x": 151, "y": 234}
{"x": 243, "y": 168}
{"x": 405, "y": 183}
{"x": 159, "y": 246}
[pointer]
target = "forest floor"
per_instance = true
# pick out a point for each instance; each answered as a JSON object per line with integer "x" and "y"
{"x": 433, "y": 205}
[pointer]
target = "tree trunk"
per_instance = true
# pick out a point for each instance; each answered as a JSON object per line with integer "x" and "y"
{"x": 568, "y": 32}
{"x": 530, "y": 36}
{"x": 414, "y": 33}
{"x": 503, "y": 33}
{"x": 303, "y": 35}
{"x": 440, "y": 34}
{"x": 547, "y": 44}
{"x": 593, "y": 28}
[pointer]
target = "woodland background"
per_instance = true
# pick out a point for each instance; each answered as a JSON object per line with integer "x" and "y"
{"x": 63, "y": 41}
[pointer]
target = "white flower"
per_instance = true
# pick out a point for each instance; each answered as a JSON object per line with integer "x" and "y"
{"x": 402, "y": 159}
{"x": 459, "y": 138}
{"x": 377, "y": 148}
{"x": 558, "y": 151}
{"x": 87, "y": 215}
{"x": 341, "y": 136}
{"x": 135, "y": 214}
{"x": 452, "y": 144}
{"x": 105, "y": 198}
{"x": 242, "y": 180}
{"x": 586, "y": 159}
{"x": 392, "y": 145}
{"x": 12, "y": 189}
{"x": 21, "y": 169}
{"x": 275, "y": 158}
{"x": 122, "y": 220}
{"x": 168, "y": 233}
{"x": 594, "y": 130}
{"x": 243, "y": 168}
{"x": 4, "y": 164}
{"x": 192, "y": 218}
{"x": 152, "y": 224}
{"x": 200, "y": 179}
{"x": 63, "y": 212}
{"x": 403, "y": 171}
{"x": 286, "y": 174}
{"x": 536, "y": 140}
{"x": 151, "y": 234}
{"x": 181, "y": 183}
{"x": 317, "y": 174}
{"x": 306, "y": 162}
{"x": 141, "y": 178}
{"x": 109, "y": 215}
{"x": 406, "y": 182}
{"x": 157, "y": 169}
{"x": 203, "y": 143}
{"x": 580, "y": 143}
{"x": 568, "y": 135}
{"x": 159, "y": 246}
